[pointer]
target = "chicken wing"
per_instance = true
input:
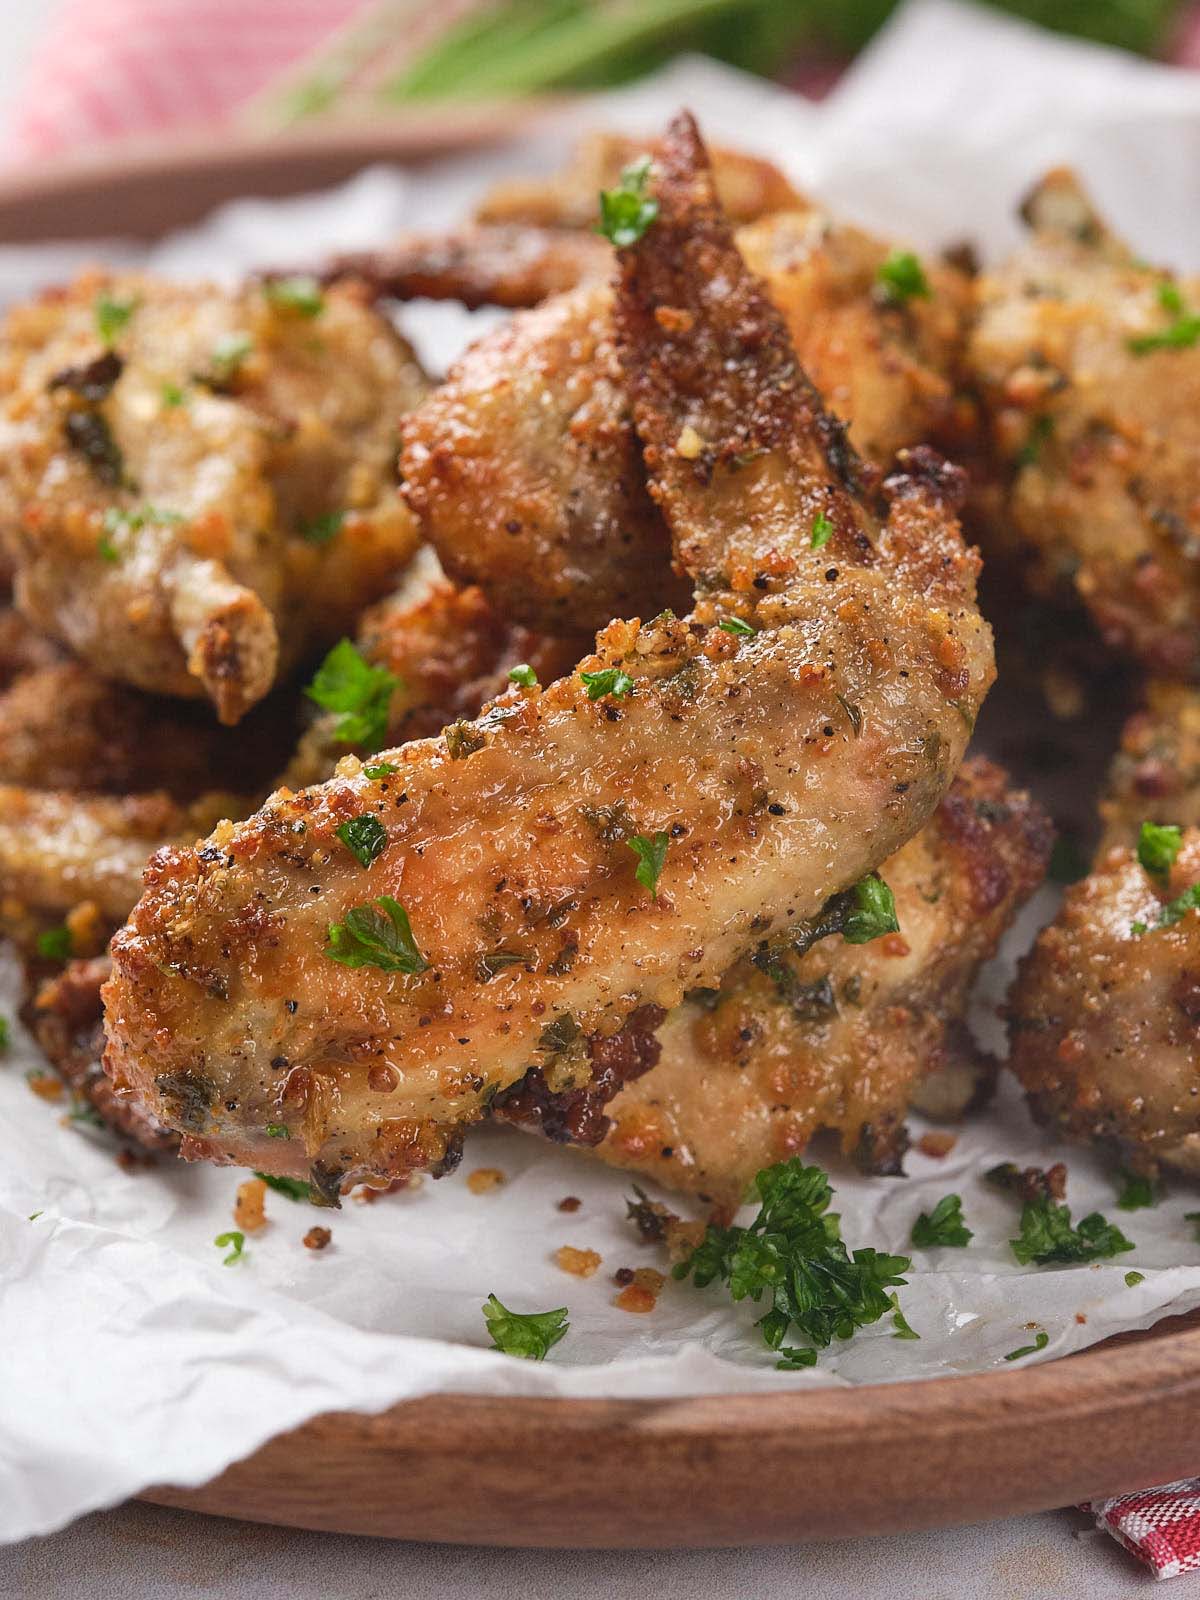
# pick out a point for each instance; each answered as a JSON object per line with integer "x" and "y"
{"x": 843, "y": 1036}
{"x": 524, "y": 468}
{"x": 272, "y": 980}
{"x": 1088, "y": 364}
{"x": 195, "y": 486}
{"x": 747, "y": 187}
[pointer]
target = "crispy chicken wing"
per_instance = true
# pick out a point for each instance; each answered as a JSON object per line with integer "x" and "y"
{"x": 1091, "y": 385}
{"x": 842, "y": 1036}
{"x": 266, "y": 978}
{"x": 524, "y": 467}
{"x": 193, "y": 503}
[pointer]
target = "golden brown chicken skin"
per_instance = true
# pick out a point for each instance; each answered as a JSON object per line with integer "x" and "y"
{"x": 197, "y": 486}
{"x": 780, "y": 767}
{"x": 1091, "y": 387}
{"x": 524, "y": 467}
{"x": 842, "y": 1036}
{"x": 1105, "y": 1012}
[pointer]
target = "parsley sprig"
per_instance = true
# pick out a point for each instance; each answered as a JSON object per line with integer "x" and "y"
{"x": 365, "y": 837}
{"x": 1157, "y": 847}
{"x": 627, "y": 211}
{"x": 1181, "y": 333}
{"x": 531, "y": 1334}
{"x": 347, "y": 683}
{"x": 1047, "y": 1236}
{"x": 792, "y": 1253}
{"x": 902, "y": 277}
{"x": 608, "y": 681}
{"x": 943, "y": 1226}
{"x": 651, "y": 853}
{"x": 377, "y": 935}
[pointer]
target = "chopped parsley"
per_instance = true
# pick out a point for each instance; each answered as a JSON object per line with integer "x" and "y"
{"x": 609, "y": 681}
{"x": 365, "y": 837}
{"x": 106, "y": 549}
{"x": 112, "y": 314}
{"x": 1181, "y": 333}
{"x": 792, "y": 1359}
{"x": 793, "y": 1254}
{"x": 494, "y": 961}
{"x": 380, "y": 769}
{"x": 1040, "y": 1340}
{"x": 1157, "y": 847}
{"x": 523, "y": 675}
{"x": 822, "y": 531}
{"x": 943, "y": 1225}
{"x": 1047, "y": 1235}
{"x": 1132, "y": 1279}
{"x": 362, "y": 694}
{"x": 116, "y": 520}
{"x": 293, "y": 1188}
{"x": 1040, "y": 430}
{"x": 1137, "y": 1192}
{"x": 531, "y": 1334}
{"x": 735, "y": 625}
{"x": 5, "y": 1033}
{"x": 55, "y": 943}
{"x": 902, "y": 277}
{"x": 228, "y": 355}
{"x": 301, "y": 294}
{"x": 651, "y": 853}
{"x": 904, "y": 1329}
{"x": 234, "y": 1242}
{"x": 277, "y": 1130}
{"x": 873, "y": 912}
{"x": 171, "y": 394}
{"x": 320, "y": 530}
{"x": 627, "y": 211}
{"x": 1172, "y": 912}
{"x": 376, "y": 935}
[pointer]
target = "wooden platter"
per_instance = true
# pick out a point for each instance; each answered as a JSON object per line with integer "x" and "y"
{"x": 735, "y": 1469}
{"x": 712, "y": 1471}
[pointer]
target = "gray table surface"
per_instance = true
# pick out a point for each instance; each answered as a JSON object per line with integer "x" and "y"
{"x": 144, "y": 1553}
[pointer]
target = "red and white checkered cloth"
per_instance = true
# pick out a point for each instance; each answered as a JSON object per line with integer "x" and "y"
{"x": 1160, "y": 1526}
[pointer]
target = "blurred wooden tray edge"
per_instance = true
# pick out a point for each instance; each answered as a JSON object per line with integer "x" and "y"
{"x": 735, "y": 1469}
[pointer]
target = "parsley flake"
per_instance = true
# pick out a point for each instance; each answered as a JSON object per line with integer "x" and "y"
{"x": 794, "y": 1255}
{"x": 943, "y": 1225}
{"x": 627, "y": 211}
{"x": 106, "y": 549}
{"x": 531, "y": 1334}
{"x": 380, "y": 769}
{"x": 524, "y": 675}
{"x": 293, "y": 1188}
{"x": 320, "y": 530}
{"x": 1040, "y": 430}
{"x": 873, "y": 913}
{"x": 300, "y": 294}
{"x": 1173, "y": 912}
{"x": 112, "y": 314}
{"x": 5, "y": 1033}
{"x": 1137, "y": 1192}
{"x": 1157, "y": 847}
{"x": 55, "y": 943}
{"x": 1179, "y": 334}
{"x": 609, "y": 681}
{"x": 792, "y": 1359}
{"x": 1047, "y": 1235}
{"x": 171, "y": 394}
{"x": 365, "y": 837}
{"x": 347, "y": 683}
{"x": 377, "y": 935}
{"x": 902, "y": 277}
{"x": 904, "y": 1329}
{"x": 651, "y": 853}
{"x": 1040, "y": 1340}
{"x": 822, "y": 531}
{"x": 228, "y": 356}
{"x": 735, "y": 625}
{"x": 1132, "y": 1279}
{"x": 277, "y": 1130}
{"x": 234, "y": 1242}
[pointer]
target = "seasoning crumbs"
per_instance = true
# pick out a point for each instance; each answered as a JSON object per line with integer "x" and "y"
{"x": 483, "y": 1179}
{"x": 570, "y": 1202}
{"x": 580, "y": 1263}
{"x": 937, "y": 1143}
{"x": 317, "y": 1238}
{"x": 249, "y": 1209}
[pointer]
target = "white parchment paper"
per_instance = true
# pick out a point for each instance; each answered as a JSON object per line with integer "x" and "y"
{"x": 130, "y": 1355}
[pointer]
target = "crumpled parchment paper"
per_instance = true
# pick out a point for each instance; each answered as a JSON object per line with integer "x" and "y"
{"x": 130, "y": 1355}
